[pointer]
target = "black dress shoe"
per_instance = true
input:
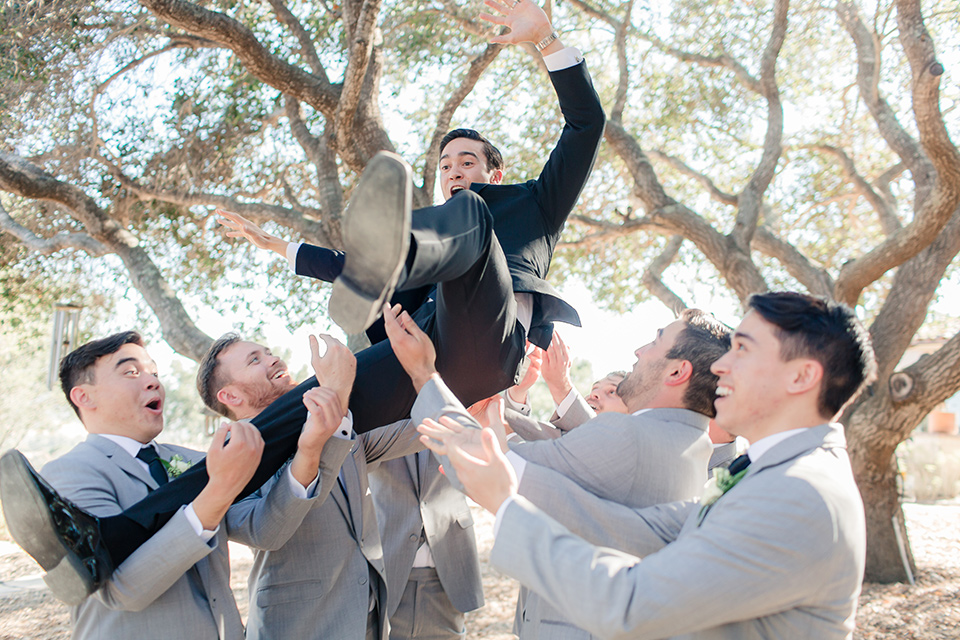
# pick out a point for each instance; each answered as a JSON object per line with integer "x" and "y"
{"x": 376, "y": 238}
{"x": 61, "y": 537}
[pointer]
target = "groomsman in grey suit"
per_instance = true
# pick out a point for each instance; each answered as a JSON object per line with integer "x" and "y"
{"x": 776, "y": 546}
{"x": 326, "y": 579}
{"x": 177, "y": 584}
{"x": 657, "y": 453}
{"x": 429, "y": 548}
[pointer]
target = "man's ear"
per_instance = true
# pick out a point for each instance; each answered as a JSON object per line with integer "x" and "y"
{"x": 81, "y": 396}
{"x": 807, "y": 376}
{"x": 496, "y": 177}
{"x": 229, "y": 396}
{"x": 679, "y": 372}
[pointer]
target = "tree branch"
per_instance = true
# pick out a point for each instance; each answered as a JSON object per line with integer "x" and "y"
{"x": 48, "y": 246}
{"x": 816, "y": 280}
{"x": 307, "y": 51}
{"x": 270, "y": 69}
{"x": 715, "y": 192}
{"x": 938, "y": 191}
{"x": 653, "y": 276}
{"x": 27, "y": 180}
{"x": 887, "y": 215}
{"x": 751, "y": 198}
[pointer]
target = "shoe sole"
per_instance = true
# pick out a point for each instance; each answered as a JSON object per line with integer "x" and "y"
{"x": 376, "y": 238}
{"x": 32, "y": 526}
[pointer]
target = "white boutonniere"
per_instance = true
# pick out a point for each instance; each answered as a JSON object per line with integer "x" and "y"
{"x": 176, "y": 465}
{"x": 719, "y": 484}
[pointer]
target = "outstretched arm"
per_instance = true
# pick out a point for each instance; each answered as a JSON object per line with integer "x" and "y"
{"x": 526, "y": 21}
{"x": 239, "y": 227}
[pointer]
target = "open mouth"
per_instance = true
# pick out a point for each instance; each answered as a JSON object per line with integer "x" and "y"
{"x": 279, "y": 374}
{"x": 723, "y": 392}
{"x": 154, "y": 405}
{"x": 456, "y": 189}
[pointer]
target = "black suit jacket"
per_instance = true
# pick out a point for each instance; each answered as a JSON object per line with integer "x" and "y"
{"x": 527, "y": 217}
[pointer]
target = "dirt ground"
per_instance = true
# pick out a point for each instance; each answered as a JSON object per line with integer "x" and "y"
{"x": 930, "y": 610}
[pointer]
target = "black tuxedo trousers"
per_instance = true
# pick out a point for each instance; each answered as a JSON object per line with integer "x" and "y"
{"x": 472, "y": 320}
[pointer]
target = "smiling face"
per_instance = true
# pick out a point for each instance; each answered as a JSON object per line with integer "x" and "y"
{"x": 462, "y": 162}
{"x": 645, "y": 379}
{"x": 255, "y": 378}
{"x": 754, "y": 381}
{"x": 603, "y": 396}
{"x": 124, "y": 397}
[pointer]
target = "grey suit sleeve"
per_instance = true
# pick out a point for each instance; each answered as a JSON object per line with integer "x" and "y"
{"x": 583, "y": 455}
{"x": 529, "y": 429}
{"x": 392, "y": 441}
{"x": 602, "y": 522}
{"x": 575, "y": 415}
{"x": 765, "y": 552}
{"x": 270, "y": 516}
{"x": 436, "y": 400}
{"x": 155, "y": 566}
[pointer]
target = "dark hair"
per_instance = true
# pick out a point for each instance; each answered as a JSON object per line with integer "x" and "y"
{"x": 702, "y": 342}
{"x": 76, "y": 367}
{"x": 209, "y": 380}
{"x": 494, "y": 159}
{"x": 825, "y": 331}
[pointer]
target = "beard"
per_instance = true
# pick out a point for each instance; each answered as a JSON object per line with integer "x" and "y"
{"x": 639, "y": 386}
{"x": 262, "y": 394}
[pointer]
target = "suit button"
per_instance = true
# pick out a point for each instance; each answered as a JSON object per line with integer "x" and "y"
{"x": 414, "y": 536}
{"x": 362, "y": 581}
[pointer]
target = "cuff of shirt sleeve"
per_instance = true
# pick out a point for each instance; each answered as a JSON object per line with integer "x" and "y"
{"x": 292, "y": 249}
{"x": 518, "y": 464}
{"x": 205, "y": 534}
{"x": 299, "y": 491}
{"x": 563, "y": 59}
{"x": 345, "y": 430}
{"x": 503, "y": 507}
{"x": 566, "y": 403}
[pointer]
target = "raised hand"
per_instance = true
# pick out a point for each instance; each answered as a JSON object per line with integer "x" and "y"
{"x": 336, "y": 369}
{"x": 412, "y": 346}
{"x": 481, "y": 467}
{"x": 324, "y": 415}
{"x": 239, "y": 227}
{"x": 518, "y": 392}
{"x": 489, "y": 414}
{"x": 556, "y": 368}
{"x": 230, "y": 465}
{"x": 525, "y": 19}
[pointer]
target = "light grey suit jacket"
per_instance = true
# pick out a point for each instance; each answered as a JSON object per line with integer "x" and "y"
{"x": 518, "y": 418}
{"x": 175, "y": 585}
{"x": 641, "y": 460}
{"x": 781, "y": 555}
{"x": 318, "y": 583}
{"x": 411, "y": 495}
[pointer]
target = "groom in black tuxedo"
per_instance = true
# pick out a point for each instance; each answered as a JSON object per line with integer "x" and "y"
{"x": 488, "y": 247}
{"x": 470, "y": 271}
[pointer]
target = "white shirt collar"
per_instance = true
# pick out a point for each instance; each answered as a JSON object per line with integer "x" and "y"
{"x": 129, "y": 445}
{"x": 763, "y": 445}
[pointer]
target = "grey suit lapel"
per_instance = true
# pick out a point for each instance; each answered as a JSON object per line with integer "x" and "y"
{"x": 127, "y": 463}
{"x": 348, "y": 498}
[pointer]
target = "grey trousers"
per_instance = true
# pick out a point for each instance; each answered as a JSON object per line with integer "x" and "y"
{"x": 425, "y": 612}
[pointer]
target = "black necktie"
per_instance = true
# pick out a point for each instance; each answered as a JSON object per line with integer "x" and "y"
{"x": 149, "y": 455}
{"x": 739, "y": 463}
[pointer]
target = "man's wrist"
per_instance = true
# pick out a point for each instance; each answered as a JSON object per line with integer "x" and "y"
{"x": 422, "y": 378}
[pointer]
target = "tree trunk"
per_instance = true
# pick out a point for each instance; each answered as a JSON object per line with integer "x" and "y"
{"x": 876, "y": 473}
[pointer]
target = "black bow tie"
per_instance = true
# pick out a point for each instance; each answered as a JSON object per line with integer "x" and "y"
{"x": 149, "y": 455}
